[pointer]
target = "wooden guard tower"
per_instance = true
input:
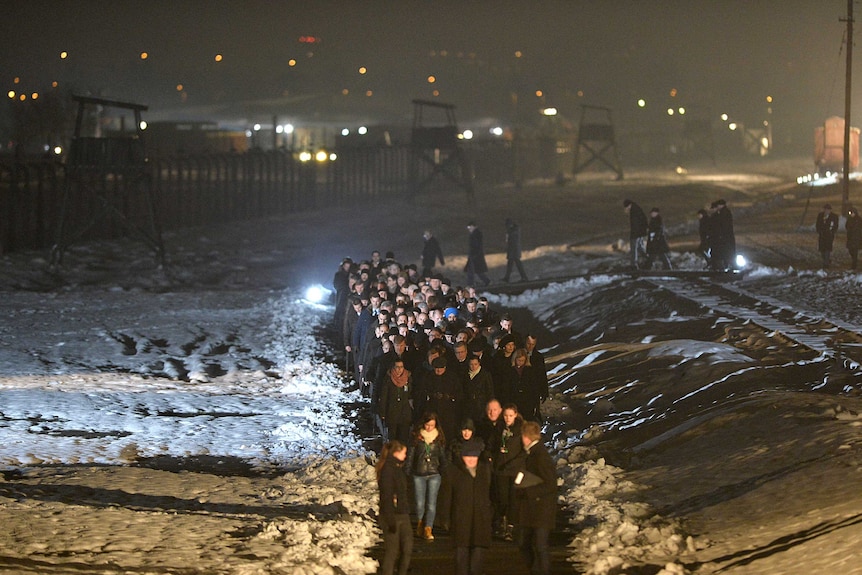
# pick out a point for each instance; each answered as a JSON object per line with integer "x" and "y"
{"x": 596, "y": 137}
{"x": 437, "y": 146}
{"x": 108, "y": 183}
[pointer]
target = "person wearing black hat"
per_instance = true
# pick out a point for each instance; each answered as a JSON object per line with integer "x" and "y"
{"x": 444, "y": 395}
{"x": 476, "y": 264}
{"x": 535, "y": 500}
{"x": 826, "y": 226}
{"x": 470, "y": 508}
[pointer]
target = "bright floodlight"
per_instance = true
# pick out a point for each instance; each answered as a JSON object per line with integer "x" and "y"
{"x": 317, "y": 294}
{"x": 497, "y": 131}
{"x": 740, "y": 261}
{"x": 468, "y": 134}
{"x": 549, "y": 112}
{"x": 345, "y": 132}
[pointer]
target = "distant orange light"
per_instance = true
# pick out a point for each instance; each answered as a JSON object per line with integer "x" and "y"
{"x": 309, "y": 39}
{"x": 363, "y": 70}
{"x": 673, "y": 92}
{"x": 431, "y": 79}
{"x": 291, "y": 62}
{"x": 345, "y": 92}
{"x": 369, "y": 93}
{"x": 539, "y": 93}
{"x": 179, "y": 87}
{"x": 769, "y": 99}
{"x": 17, "y": 80}
{"x": 435, "y": 93}
{"x": 22, "y": 97}
{"x": 34, "y": 95}
{"x": 11, "y": 94}
{"x": 218, "y": 58}
{"x": 64, "y": 55}
{"x": 518, "y": 53}
{"x": 144, "y": 55}
{"x": 54, "y": 84}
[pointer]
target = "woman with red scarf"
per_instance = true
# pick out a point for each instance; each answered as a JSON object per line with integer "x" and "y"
{"x": 396, "y": 402}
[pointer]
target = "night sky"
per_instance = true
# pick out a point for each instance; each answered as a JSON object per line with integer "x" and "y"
{"x": 720, "y": 56}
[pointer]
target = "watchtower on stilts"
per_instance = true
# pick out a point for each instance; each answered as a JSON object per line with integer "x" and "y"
{"x": 108, "y": 182}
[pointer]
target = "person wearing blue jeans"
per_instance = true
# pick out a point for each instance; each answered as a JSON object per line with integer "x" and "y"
{"x": 427, "y": 461}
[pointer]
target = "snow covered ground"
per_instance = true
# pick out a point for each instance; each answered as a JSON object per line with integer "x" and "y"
{"x": 193, "y": 417}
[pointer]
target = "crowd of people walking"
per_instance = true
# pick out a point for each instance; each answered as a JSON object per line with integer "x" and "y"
{"x": 455, "y": 392}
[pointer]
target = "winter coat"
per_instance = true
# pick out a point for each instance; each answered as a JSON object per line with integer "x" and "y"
{"x": 426, "y": 459}
{"x": 476, "y": 252}
{"x": 431, "y": 252}
{"x": 536, "y": 506}
{"x": 656, "y": 238}
{"x": 526, "y": 390}
{"x": 393, "y": 492}
{"x": 445, "y": 398}
{"x": 854, "y": 232}
{"x": 637, "y": 221}
{"x": 513, "y": 241}
{"x": 508, "y": 458}
{"x": 826, "y": 227}
{"x": 394, "y": 405}
{"x": 471, "y": 505}
{"x": 477, "y": 392}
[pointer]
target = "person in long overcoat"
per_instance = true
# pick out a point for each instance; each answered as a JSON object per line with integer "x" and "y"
{"x": 854, "y": 235}
{"x": 535, "y": 500}
{"x": 470, "y": 508}
{"x": 431, "y": 252}
{"x": 513, "y": 250}
{"x": 722, "y": 237}
{"x": 444, "y": 394}
{"x": 395, "y": 406}
{"x": 525, "y": 385}
{"x": 637, "y": 231}
{"x": 656, "y": 246}
{"x": 394, "y": 514}
{"x": 476, "y": 264}
{"x": 826, "y": 226}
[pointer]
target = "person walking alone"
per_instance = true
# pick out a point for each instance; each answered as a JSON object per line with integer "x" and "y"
{"x": 476, "y": 264}
{"x": 431, "y": 252}
{"x": 513, "y": 250}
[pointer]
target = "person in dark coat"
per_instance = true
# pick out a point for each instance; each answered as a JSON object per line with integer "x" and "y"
{"x": 525, "y": 386}
{"x": 637, "y": 231}
{"x": 395, "y": 405}
{"x": 394, "y": 514}
{"x": 476, "y": 265}
{"x": 656, "y": 246}
{"x": 826, "y": 226}
{"x": 444, "y": 396}
{"x": 537, "y": 360}
{"x": 854, "y": 235}
{"x": 341, "y": 285}
{"x": 513, "y": 250}
{"x": 431, "y": 252}
{"x": 536, "y": 500}
{"x": 478, "y": 388}
{"x": 723, "y": 239}
{"x": 470, "y": 509}
{"x": 507, "y": 462}
{"x": 704, "y": 249}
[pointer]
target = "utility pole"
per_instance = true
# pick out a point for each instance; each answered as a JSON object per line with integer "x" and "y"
{"x": 845, "y": 191}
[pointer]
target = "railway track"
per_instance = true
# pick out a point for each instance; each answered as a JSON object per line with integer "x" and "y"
{"x": 829, "y": 337}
